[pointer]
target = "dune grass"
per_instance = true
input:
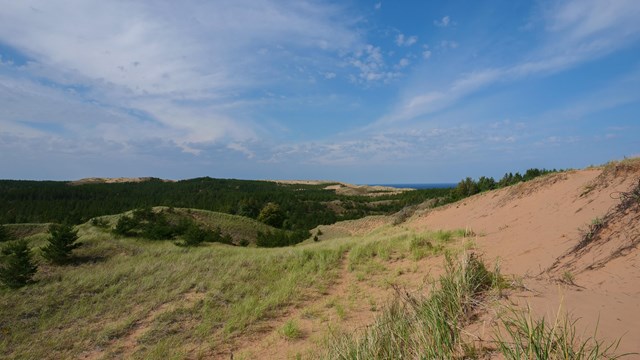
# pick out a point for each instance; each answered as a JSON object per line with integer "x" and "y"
{"x": 520, "y": 336}
{"x": 134, "y": 298}
{"x": 423, "y": 327}
{"x": 118, "y": 283}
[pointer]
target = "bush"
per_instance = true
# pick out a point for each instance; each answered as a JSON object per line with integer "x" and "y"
{"x": 195, "y": 236}
{"x": 280, "y": 238}
{"x": 4, "y": 234}
{"x": 271, "y": 214}
{"x": 125, "y": 225}
{"x": 62, "y": 241}
{"x": 17, "y": 267}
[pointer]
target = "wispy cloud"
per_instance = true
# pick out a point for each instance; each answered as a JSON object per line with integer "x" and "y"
{"x": 161, "y": 58}
{"x": 585, "y": 30}
{"x": 371, "y": 65}
{"x": 406, "y": 41}
{"x": 444, "y": 22}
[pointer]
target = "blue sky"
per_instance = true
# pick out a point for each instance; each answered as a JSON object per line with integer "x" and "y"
{"x": 357, "y": 91}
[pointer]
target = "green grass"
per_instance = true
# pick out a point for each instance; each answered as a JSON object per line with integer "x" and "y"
{"x": 121, "y": 281}
{"x": 291, "y": 331}
{"x": 523, "y": 337}
{"x": 239, "y": 227}
{"x": 417, "y": 327}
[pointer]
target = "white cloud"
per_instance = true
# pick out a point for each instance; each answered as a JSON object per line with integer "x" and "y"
{"x": 585, "y": 30}
{"x": 444, "y": 22}
{"x": 402, "y": 40}
{"x": 377, "y": 6}
{"x": 371, "y": 65}
{"x": 426, "y": 53}
{"x": 396, "y": 145}
{"x": 329, "y": 75}
{"x": 242, "y": 149}
{"x": 448, "y": 44}
{"x": 404, "y": 62}
{"x": 162, "y": 58}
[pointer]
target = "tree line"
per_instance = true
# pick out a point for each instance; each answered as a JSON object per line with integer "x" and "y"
{"x": 300, "y": 207}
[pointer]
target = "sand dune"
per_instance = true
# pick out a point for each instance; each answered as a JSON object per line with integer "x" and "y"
{"x": 571, "y": 239}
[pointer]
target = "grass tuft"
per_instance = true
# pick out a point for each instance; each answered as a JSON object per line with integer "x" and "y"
{"x": 290, "y": 330}
{"x": 418, "y": 327}
{"x": 523, "y": 337}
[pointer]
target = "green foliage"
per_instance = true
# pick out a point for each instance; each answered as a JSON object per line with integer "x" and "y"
{"x": 290, "y": 330}
{"x": 196, "y": 235}
{"x": 304, "y": 206}
{"x": 279, "y": 238}
{"x": 272, "y": 215}
{"x": 98, "y": 222}
{"x": 526, "y": 338}
{"x": 415, "y": 327}
{"x": 151, "y": 225}
{"x": 468, "y": 186}
{"x": 62, "y": 241}
{"x": 4, "y": 234}
{"x": 17, "y": 267}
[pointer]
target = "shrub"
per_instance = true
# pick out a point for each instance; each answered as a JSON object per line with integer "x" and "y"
{"x": 291, "y": 331}
{"x": 125, "y": 225}
{"x": 280, "y": 238}
{"x": 17, "y": 267}
{"x": 271, "y": 214}
{"x": 195, "y": 236}
{"x": 4, "y": 234}
{"x": 62, "y": 241}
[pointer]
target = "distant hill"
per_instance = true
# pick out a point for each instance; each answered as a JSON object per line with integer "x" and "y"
{"x": 97, "y": 180}
{"x": 304, "y": 205}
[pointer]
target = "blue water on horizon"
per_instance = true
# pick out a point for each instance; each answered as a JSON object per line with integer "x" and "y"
{"x": 419, "y": 186}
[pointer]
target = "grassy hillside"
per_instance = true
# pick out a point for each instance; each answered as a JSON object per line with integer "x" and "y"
{"x": 134, "y": 297}
{"x": 238, "y": 227}
{"x": 368, "y": 288}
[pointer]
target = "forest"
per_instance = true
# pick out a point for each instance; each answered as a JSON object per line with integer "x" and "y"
{"x": 286, "y": 206}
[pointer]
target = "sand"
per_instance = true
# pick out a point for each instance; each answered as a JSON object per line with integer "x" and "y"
{"x": 533, "y": 229}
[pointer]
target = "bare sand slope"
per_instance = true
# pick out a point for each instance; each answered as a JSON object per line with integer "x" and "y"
{"x": 573, "y": 239}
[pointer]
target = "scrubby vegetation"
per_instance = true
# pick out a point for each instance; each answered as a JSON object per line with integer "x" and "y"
{"x": 468, "y": 186}
{"x": 418, "y": 327}
{"x": 4, "y": 234}
{"x": 16, "y": 266}
{"x": 520, "y": 336}
{"x": 62, "y": 241}
{"x": 297, "y": 206}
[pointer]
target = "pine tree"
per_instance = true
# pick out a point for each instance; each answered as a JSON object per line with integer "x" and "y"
{"x": 4, "y": 234}
{"x": 17, "y": 267}
{"x": 62, "y": 240}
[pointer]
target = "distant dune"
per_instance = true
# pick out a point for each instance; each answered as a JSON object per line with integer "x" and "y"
{"x": 349, "y": 189}
{"x": 97, "y": 180}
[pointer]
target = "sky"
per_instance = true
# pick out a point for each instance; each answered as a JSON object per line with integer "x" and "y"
{"x": 354, "y": 90}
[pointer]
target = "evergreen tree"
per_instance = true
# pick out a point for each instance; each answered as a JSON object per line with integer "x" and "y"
{"x": 17, "y": 267}
{"x": 271, "y": 214}
{"x": 4, "y": 234}
{"x": 62, "y": 240}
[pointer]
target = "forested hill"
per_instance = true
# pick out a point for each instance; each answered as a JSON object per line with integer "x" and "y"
{"x": 304, "y": 206}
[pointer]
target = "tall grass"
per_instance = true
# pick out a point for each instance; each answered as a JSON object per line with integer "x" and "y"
{"x": 418, "y": 327}
{"x": 523, "y": 337}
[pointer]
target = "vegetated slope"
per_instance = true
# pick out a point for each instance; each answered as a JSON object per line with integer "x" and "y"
{"x": 572, "y": 236}
{"x": 239, "y": 228}
{"x": 133, "y": 298}
{"x": 304, "y": 205}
